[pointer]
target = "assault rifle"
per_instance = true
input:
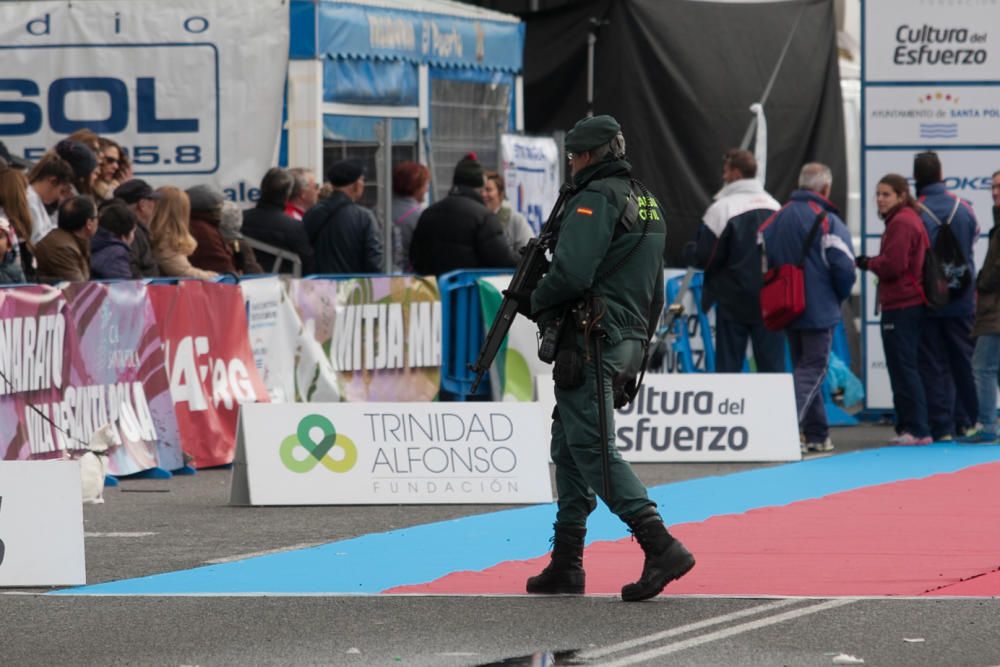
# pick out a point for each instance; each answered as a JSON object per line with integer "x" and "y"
{"x": 530, "y": 270}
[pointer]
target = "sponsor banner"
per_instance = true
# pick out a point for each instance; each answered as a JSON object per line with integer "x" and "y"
{"x": 937, "y": 40}
{"x": 695, "y": 417}
{"x": 35, "y": 355}
{"x": 391, "y": 453}
{"x": 75, "y": 360}
{"x": 41, "y": 524}
{"x": 516, "y": 365}
{"x": 938, "y": 115}
{"x": 161, "y": 79}
{"x": 531, "y": 174}
{"x": 382, "y": 337}
{"x": 209, "y": 364}
{"x": 273, "y": 328}
{"x": 119, "y": 371}
{"x": 929, "y": 82}
{"x": 967, "y": 173}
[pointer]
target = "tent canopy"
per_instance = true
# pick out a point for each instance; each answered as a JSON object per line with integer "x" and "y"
{"x": 680, "y": 77}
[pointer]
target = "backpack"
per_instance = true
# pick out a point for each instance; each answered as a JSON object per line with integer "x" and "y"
{"x": 934, "y": 282}
{"x": 948, "y": 254}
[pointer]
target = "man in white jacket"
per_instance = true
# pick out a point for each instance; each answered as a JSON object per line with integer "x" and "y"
{"x": 726, "y": 247}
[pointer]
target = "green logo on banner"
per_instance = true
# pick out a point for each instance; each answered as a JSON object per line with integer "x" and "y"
{"x": 318, "y": 452}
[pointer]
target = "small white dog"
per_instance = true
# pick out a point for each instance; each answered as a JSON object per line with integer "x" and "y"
{"x": 94, "y": 464}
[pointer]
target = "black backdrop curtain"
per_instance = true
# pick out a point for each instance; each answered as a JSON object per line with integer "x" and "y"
{"x": 680, "y": 77}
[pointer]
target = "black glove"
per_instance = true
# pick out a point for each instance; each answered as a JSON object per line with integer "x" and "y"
{"x": 861, "y": 261}
{"x": 523, "y": 300}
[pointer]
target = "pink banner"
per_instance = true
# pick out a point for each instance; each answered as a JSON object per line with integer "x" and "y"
{"x": 76, "y": 360}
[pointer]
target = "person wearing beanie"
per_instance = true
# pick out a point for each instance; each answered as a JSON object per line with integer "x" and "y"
{"x": 986, "y": 357}
{"x": 230, "y": 226}
{"x": 459, "y": 232}
{"x": 946, "y": 343}
{"x": 83, "y": 161}
{"x": 212, "y": 253}
{"x": 344, "y": 234}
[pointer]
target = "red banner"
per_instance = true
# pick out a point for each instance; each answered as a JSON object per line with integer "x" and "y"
{"x": 211, "y": 367}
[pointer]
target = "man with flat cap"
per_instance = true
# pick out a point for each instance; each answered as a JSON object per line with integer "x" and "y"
{"x": 459, "y": 232}
{"x": 343, "y": 234}
{"x": 605, "y": 284}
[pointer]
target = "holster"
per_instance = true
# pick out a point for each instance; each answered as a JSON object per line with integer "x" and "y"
{"x": 568, "y": 371}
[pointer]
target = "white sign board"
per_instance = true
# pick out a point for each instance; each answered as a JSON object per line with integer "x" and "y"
{"x": 697, "y": 417}
{"x": 41, "y": 524}
{"x": 930, "y": 81}
{"x": 930, "y": 40}
{"x": 531, "y": 174}
{"x": 191, "y": 89}
{"x": 391, "y": 453}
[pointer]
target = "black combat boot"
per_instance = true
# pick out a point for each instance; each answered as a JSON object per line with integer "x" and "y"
{"x": 666, "y": 557}
{"x": 564, "y": 573}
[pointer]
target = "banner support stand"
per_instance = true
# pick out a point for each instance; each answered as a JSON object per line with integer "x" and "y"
{"x": 151, "y": 473}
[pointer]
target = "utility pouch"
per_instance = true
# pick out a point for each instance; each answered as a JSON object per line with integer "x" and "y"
{"x": 624, "y": 390}
{"x": 568, "y": 371}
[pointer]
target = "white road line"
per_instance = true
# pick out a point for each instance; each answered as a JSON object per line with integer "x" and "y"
{"x": 140, "y": 534}
{"x": 724, "y": 633}
{"x": 683, "y": 629}
{"x": 266, "y": 552}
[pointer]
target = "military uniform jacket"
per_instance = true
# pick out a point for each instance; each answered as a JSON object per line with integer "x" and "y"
{"x": 588, "y": 250}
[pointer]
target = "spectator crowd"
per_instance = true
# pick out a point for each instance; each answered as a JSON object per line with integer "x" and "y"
{"x": 79, "y": 214}
{"x": 940, "y": 319}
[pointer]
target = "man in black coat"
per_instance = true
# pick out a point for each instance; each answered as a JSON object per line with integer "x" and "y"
{"x": 459, "y": 232}
{"x": 267, "y": 222}
{"x": 344, "y": 235}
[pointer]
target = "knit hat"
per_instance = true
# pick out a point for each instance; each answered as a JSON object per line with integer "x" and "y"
{"x": 591, "y": 132}
{"x": 79, "y": 156}
{"x": 232, "y": 221}
{"x": 469, "y": 172}
{"x": 345, "y": 172}
{"x": 205, "y": 198}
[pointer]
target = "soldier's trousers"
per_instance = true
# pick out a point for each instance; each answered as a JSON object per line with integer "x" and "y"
{"x": 576, "y": 443}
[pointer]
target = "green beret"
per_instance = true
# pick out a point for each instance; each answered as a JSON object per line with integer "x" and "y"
{"x": 591, "y": 132}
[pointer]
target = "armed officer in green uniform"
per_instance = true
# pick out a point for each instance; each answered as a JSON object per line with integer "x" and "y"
{"x": 605, "y": 283}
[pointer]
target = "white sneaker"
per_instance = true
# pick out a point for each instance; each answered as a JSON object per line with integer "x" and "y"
{"x": 825, "y": 446}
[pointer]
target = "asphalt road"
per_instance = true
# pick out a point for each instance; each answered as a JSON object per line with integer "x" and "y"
{"x": 149, "y": 526}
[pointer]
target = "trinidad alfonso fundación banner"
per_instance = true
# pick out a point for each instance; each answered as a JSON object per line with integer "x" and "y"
{"x": 390, "y": 453}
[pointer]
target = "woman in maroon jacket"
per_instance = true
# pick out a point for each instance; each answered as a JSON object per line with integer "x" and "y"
{"x": 899, "y": 267}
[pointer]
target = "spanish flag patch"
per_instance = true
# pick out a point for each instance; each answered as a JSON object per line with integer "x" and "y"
{"x": 584, "y": 211}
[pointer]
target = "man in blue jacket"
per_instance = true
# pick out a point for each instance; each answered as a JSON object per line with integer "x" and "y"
{"x": 946, "y": 343}
{"x": 829, "y": 275}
